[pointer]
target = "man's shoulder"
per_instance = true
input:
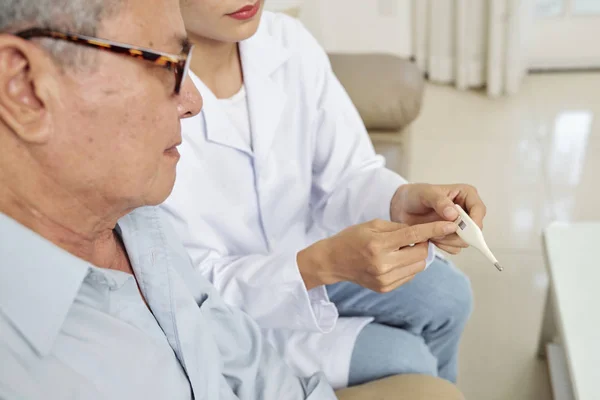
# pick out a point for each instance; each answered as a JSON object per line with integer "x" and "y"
{"x": 155, "y": 233}
{"x": 150, "y": 221}
{"x": 152, "y": 228}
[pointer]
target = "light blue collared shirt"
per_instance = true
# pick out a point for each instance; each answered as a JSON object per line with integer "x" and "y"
{"x": 70, "y": 330}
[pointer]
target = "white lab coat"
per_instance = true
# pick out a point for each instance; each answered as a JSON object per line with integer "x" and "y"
{"x": 243, "y": 213}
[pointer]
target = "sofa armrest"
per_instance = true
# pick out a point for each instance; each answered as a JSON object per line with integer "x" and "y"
{"x": 403, "y": 387}
{"x": 386, "y": 90}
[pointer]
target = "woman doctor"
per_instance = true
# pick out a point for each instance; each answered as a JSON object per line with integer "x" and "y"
{"x": 277, "y": 164}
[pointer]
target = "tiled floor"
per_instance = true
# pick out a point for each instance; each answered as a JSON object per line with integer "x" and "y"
{"x": 534, "y": 157}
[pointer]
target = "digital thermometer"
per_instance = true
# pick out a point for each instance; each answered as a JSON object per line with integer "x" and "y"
{"x": 472, "y": 235}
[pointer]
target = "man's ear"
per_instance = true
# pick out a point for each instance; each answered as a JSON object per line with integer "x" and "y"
{"x": 21, "y": 108}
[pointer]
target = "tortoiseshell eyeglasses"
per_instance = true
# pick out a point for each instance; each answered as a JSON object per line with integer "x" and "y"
{"x": 179, "y": 64}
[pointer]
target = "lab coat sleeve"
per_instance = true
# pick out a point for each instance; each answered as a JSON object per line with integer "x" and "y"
{"x": 350, "y": 182}
{"x": 268, "y": 287}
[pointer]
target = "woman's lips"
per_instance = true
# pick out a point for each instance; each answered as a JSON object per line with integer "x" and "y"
{"x": 247, "y": 12}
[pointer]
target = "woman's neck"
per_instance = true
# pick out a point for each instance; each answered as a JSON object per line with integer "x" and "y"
{"x": 218, "y": 65}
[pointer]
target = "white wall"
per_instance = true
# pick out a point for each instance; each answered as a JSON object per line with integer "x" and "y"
{"x": 361, "y": 26}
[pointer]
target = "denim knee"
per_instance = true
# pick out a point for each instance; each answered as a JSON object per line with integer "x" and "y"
{"x": 464, "y": 296}
{"x": 418, "y": 361}
{"x": 457, "y": 304}
{"x": 382, "y": 351}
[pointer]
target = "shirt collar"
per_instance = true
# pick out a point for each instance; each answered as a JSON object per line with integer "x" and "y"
{"x": 38, "y": 283}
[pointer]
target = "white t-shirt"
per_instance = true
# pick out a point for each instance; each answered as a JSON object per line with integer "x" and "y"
{"x": 236, "y": 108}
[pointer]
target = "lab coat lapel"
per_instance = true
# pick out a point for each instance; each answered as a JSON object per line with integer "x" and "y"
{"x": 261, "y": 57}
{"x": 218, "y": 127}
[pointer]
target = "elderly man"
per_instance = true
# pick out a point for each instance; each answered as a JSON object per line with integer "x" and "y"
{"x": 98, "y": 300}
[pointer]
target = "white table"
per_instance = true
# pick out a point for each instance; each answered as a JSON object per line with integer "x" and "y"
{"x": 571, "y": 333}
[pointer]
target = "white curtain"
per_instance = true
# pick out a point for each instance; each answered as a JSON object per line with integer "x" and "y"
{"x": 473, "y": 43}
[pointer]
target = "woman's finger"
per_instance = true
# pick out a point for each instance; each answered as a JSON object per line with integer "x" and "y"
{"x": 452, "y": 240}
{"x": 449, "y": 249}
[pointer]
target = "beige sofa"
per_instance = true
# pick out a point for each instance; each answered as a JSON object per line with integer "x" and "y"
{"x": 403, "y": 387}
{"x": 387, "y": 91}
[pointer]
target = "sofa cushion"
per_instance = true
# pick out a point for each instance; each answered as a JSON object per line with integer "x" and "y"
{"x": 403, "y": 387}
{"x": 386, "y": 90}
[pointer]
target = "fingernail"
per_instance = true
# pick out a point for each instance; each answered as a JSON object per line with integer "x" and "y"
{"x": 450, "y": 228}
{"x": 450, "y": 212}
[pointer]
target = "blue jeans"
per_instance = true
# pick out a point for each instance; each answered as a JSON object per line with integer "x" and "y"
{"x": 417, "y": 327}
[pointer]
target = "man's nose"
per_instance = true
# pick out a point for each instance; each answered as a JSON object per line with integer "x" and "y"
{"x": 190, "y": 100}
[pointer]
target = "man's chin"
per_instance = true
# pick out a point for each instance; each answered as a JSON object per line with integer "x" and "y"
{"x": 161, "y": 191}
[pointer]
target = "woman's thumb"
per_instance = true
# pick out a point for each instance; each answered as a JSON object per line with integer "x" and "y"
{"x": 443, "y": 205}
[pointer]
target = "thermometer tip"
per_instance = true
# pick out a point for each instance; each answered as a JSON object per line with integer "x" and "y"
{"x": 498, "y": 266}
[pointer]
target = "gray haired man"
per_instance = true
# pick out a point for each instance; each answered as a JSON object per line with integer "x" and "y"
{"x": 97, "y": 297}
